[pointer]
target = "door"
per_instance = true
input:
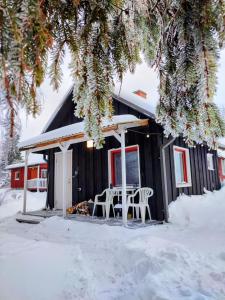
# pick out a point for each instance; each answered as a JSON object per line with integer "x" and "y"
{"x": 58, "y": 192}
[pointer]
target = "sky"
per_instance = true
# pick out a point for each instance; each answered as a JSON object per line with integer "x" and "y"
{"x": 143, "y": 78}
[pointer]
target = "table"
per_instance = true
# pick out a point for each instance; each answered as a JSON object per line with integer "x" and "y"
{"x": 118, "y": 194}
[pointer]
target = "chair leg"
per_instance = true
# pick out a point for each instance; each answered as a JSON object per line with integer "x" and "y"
{"x": 107, "y": 207}
{"x": 93, "y": 210}
{"x": 103, "y": 211}
{"x": 137, "y": 212}
{"x": 143, "y": 210}
{"x": 113, "y": 211}
{"x": 149, "y": 213}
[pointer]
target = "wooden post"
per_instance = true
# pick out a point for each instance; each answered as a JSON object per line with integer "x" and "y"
{"x": 64, "y": 153}
{"x": 64, "y": 147}
{"x": 124, "y": 180}
{"x": 25, "y": 183}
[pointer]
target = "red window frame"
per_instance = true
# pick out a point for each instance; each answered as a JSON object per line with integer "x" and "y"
{"x": 112, "y": 160}
{"x": 184, "y": 160}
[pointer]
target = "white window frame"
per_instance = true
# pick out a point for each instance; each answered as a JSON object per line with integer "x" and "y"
{"x": 109, "y": 165}
{"x": 188, "y": 167}
{"x": 223, "y": 166}
{"x": 45, "y": 170}
{"x": 17, "y": 177}
{"x": 211, "y": 164}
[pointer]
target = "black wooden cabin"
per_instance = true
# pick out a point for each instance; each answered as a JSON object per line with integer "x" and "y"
{"x": 90, "y": 167}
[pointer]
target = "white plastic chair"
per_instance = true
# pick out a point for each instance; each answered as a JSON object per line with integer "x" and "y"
{"x": 144, "y": 194}
{"x": 110, "y": 193}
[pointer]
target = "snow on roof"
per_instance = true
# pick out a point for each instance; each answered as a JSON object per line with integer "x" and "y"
{"x": 31, "y": 162}
{"x": 221, "y": 153}
{"x": 147, "y": 82}
{"x": 74, "y": 129}
{"x": 221, "y": 143}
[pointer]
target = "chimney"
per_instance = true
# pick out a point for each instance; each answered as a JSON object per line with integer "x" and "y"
{"x": 141, "y": 93}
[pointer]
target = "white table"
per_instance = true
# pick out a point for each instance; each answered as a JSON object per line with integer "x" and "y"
{"x": 118, "y": 194}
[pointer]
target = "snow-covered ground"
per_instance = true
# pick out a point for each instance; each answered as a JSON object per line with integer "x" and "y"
{"x": 11, "y": 202}
{"x": 64, "y": 260}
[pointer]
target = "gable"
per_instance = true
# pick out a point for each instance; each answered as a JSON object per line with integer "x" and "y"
{"x": 64, "y": 114}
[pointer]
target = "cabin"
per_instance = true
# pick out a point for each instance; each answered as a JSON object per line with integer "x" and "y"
{"x": 135, "y": 154}
{"x": 36, "y": 175}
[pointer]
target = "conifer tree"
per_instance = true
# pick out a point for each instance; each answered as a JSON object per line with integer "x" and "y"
{"x": 181, "y": 38}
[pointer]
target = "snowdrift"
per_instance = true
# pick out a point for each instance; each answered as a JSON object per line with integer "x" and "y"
{"x": 198, "y": 211}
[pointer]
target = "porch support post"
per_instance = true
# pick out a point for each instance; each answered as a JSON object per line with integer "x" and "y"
{"x": 64, "y": 147}
{"x": 25, "y": 182}
{"x": 124, "y": 183}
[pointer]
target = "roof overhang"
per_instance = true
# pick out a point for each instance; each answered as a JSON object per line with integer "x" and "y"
{"x": 75, "y": 133}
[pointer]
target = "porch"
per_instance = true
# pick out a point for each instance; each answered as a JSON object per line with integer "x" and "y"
{"x": 64, "y": 141}
{"x": 38, "y": 216}
{"x": 37, "y": 184}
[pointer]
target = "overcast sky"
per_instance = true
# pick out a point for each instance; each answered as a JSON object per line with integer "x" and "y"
{"x": 143, "y": 79}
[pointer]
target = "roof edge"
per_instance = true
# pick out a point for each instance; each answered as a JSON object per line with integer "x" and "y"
{"x": 57, "y": 109}
{"x": 133, "y": 105}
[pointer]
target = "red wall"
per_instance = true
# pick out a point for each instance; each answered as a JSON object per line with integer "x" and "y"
{"x": 17, "y": 184}
{"x": 31, "y": 174}
{"x": 221, "y": 175}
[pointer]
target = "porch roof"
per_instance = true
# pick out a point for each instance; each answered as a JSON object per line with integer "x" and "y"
{"x": 76, "y": 133}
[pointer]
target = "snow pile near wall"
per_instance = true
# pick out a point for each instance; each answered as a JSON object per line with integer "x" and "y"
{"x": 197, "y": 211}
{"x": 11, "y": 201}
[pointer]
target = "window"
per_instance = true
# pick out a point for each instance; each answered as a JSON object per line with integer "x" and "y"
{"x": 223, "y": 166}
{"x": 17, "y": 175}
{"x": 44, "y": 173}
{"x": 182, "y": 167}
{"x": 132, "y": 166}
{"x": 210, "y": 161}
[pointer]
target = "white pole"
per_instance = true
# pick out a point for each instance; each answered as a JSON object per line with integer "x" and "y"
{"x": 38, "y": 178}
{"x": 124, "y": 183}
{"x": 25, "y": 183}
{"x": 64, "y": 153}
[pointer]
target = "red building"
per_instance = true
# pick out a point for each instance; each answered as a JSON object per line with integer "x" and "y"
{"x": 221, "y": 164}
{"x": 36, "y": 175}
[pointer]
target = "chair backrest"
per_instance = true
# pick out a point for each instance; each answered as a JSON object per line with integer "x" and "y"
{"x": 144, "y": 194}
{"x": 110, "y": 193}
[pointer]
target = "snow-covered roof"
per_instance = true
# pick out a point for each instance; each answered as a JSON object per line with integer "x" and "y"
{"x": 221, "y": 153}
{"x": 31, "y": 162}
{"x": 125, "y": 93}
{"x": 221, "y": 143}
{"x": 76, "y": 129}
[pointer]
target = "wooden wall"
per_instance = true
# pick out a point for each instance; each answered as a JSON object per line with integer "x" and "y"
{"x": 200, "y": 175}
{"x": 17, "y": 184}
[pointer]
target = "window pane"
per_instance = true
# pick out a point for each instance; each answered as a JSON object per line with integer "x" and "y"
{"x": 223, "y": 166}
{"x": 43, "y": 173}
{"x": 210, "y": 161}
{"x": 179, "y": 168}
{"x": 132, "y": 170}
